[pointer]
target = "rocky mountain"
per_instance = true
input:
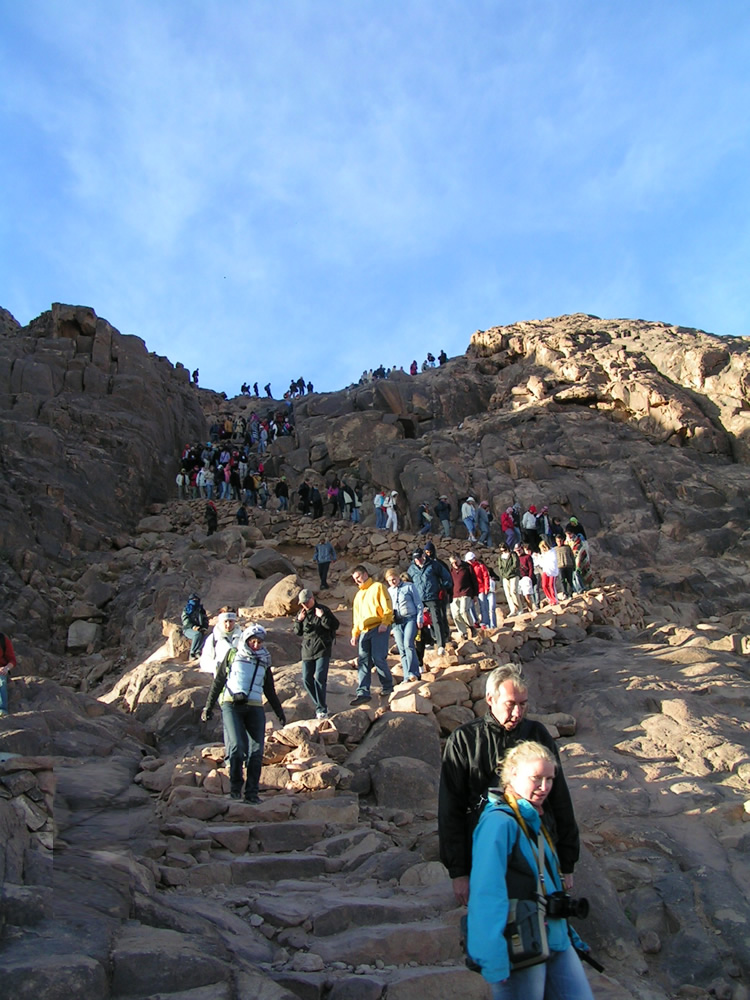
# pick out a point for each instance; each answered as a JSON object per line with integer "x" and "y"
{"x": 331, "y": 888}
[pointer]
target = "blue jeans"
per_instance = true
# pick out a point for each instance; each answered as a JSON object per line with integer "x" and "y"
{"x": 197, "y": 639}
{"x": 209, "y": 488}
{"x": 372, "y": 652}
{"x": 314, "y": 679}
{"x": 560, "y": 978}
{"x": 484, "y": 608}
{"x": 244, "y": 733}
{"x": 379, "y": 517}
{"x": 355, "y": 515}
{"x": 3, "y": 692}
{"x": 283, "y": 503}
{"x": 405, "y": 633}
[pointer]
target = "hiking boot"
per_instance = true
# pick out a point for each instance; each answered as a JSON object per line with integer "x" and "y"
{"x": 361, "y": 699}
{"x": 235, "y": 795}
{"x": 254, "y": 799}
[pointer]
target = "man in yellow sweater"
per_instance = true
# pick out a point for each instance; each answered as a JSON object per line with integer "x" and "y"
{"x": 372, "y": 615}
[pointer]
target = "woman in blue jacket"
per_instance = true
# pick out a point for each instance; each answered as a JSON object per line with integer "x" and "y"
{"x": 511, "y": 818}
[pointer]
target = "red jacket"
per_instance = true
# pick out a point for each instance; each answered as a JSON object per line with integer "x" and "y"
{"x": 7, "y": 653}
{"x": 481, "y": 575}
{"x": 506, "y": 521}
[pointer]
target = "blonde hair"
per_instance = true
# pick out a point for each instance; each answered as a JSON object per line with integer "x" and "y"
{"x": 520, "y": 754}
{"x": 543, "y": 545}
{"x": 391, "y": 572}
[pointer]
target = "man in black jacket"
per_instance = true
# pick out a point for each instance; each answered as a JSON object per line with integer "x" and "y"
{"x": 472, "y": 754}
{"x": 317, "y": 625}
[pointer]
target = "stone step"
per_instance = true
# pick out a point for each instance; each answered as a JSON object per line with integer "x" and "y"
{"x": 275, "y": 867}
{"x": 329, "y": 911}
{"x": 428, "y": 942}
{"x": 426, "y": 983}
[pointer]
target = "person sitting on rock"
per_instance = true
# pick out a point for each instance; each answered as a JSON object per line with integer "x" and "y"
{"x": 194, "y": 624}
{"x": 472, "y": 753}
{"x": 240, "y": 683}
{"x": 224, "y": 636}
{"x": 425, "y": 519}
{"x": 317, "y": 625}
{"x": 241, "y": 515}
{"x": 407, "y": 618}
{"x": 324, "y": 555}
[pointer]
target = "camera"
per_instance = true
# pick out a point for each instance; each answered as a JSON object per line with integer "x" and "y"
{"x": 560, "y": 904}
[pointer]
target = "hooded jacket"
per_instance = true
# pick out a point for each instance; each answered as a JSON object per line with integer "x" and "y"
{"x": 217, "y": 645}
{"x": 250, "y": 671}
{"x": 495, "y": 838}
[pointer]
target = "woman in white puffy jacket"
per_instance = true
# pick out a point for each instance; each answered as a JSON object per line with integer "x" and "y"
{"x": 226, "y": 633}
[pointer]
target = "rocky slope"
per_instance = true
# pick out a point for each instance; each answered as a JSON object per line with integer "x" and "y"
{"x": 331, "y": 888}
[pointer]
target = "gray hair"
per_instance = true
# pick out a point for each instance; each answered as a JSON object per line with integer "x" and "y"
{"x": 498, "y": 677}
{"x": 519, "y": 754}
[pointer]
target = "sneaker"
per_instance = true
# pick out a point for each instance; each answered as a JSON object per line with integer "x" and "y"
{"x": 361, "y": 699}
{"x": 321, "y": 714}
{"x": 441, "y": 650}
{"x": 254, "y": 800}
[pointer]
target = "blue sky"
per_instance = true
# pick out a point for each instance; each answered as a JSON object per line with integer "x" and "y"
{"x": 267, "y": 190}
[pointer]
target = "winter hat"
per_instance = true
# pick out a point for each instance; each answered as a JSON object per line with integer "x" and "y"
{"x": 469, "y": 557}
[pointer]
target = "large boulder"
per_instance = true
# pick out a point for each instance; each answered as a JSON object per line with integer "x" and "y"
{"x": 396, "y": 735}
{"x": 266, "y": 562}
{"x": 405, "y": 783}
{"x": 282, "y": 598}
